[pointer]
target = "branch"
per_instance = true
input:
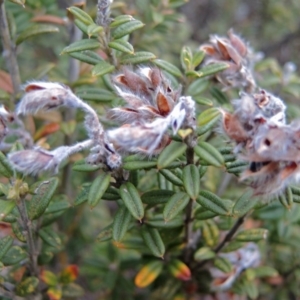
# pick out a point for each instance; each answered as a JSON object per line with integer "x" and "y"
{"x": 231, "y": 233}
{"x": 9, "y": 52}
{"x": 29, "y": 237}
{"x": 227, "y": 238}
{"x": 75, "y": 34}
{"x": 188, "y": 214}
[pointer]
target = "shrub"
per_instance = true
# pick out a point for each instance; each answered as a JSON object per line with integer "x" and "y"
{"x": 135, "y": 165}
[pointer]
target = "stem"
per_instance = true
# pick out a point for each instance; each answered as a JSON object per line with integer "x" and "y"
{"x": 109, "y": 52}
{"x": 227, "y": 238}
{"x": 231, "y": 233}
{"x": 29, "y": 234}
{"x": 103, "y": 19}
{"x": 9, "y": 50}
{"x": 69, "y": 114}
{"x": 188, "y": 212}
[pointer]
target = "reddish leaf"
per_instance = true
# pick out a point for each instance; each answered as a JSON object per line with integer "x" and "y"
{"x": 48, "y": 19}
{"x": 46, "y": 130}
{"x": 5, "y": 82}
{"x": 69, "y": 274}
{"x": 54, "y": 293}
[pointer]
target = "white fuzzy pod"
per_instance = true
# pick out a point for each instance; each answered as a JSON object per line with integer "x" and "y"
{"x": 36, "y": 161}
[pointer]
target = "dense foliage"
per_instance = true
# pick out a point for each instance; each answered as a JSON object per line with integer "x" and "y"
{"x": 138, "y": 164}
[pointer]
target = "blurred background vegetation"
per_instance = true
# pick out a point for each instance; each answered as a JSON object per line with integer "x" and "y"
{"x": 270, "y": 26}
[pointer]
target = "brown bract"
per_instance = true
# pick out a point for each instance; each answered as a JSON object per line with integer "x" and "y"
{"x": 149, "y": 101}
{"x": 235, "y": 52}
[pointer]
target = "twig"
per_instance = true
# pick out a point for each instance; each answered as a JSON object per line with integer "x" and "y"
{"x": 103, "y": 19}
{"x": 188, "y": 212}
{"x": 9, "y": 52}
{"x": 226, "y": 239}
{"x": 231, "y": 233}
{"x": 75, "y": 34}
{"x": 30, "y": 240}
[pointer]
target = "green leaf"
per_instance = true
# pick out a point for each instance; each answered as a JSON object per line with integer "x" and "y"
{"x": 204, "y": 253}
{"x": 13, "y": 256}
{"x": 19, "y": 2}
{"x": 72, "y": 290}
{"x": 219, "y": 95}
{"x": 157, "y": 196}
{"x": 265, "y": 271}
{"x": 95, "y": 94}
{"x": 197, "y": 87}
{"x": 83, "y": 195}
{"x": 198, "y": 58}
{"x": 132, "y": 200}
{"x": 232, "y": 246}
{"x": 170, "y": 68}
{"x": 212, "y": 69}
{"x": 244, "y": 204}
{"x": 102, "y": 68}
{"x": 18, "y": 231}
{"x": 5, "y": 168}
{"x": 49, "y": 236}
{"x": 203, "y": 101}
{"x": 84, "y": 44}
{"x": 87, "y": 56}
{"x": 81, "y": 15}
{"x": 237, "y": 167}
{"x": 203, "y": 214}
{"x": 61, "y": 203}
{"x": 50, "y": 218}
{"x": 111, "y": 194}
{"x": 5, "y": 244}
{"x": 250, "y": 289}
{"x": 97, "y": 189}
{"x": 119, "y": 20}
{"x": 158, "y": 221}
{"x": 6, "y": 207}
{"x": 286, "y": 199}
{"x": 127, "y": 28}
{"x": 105, "y": 234}
{"x": 223, "y": 264}
{"x": 153, "y": 241}
{"x": 208, "y": 115}
{"x": 93, "y": 29}
{"x": 213, "y": 203}
{"x": 83, "y": 27}
{"x": 121, "y": 223}
{"x": 137, "y": 58}
{"x": 27, "y": 286}
{"x": 191, "y": 181}
{"x": 35, "y": 30}
{"x": 175, "y": 205}
{"x": 186, "y": 57}
{"x": 169, "y": 175}
{"x": 252, "y": 235}
{"x": 209, "y": 154}
{"x": 205, "y": 128}
{"x": 122, "y": 46}
{"x": 170, "y": 153}
{"x": 82, "y": 165}
{"x": 40, "y": 201}
{"x": 210, "y": 233}
{"x": 138, "y": 165}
